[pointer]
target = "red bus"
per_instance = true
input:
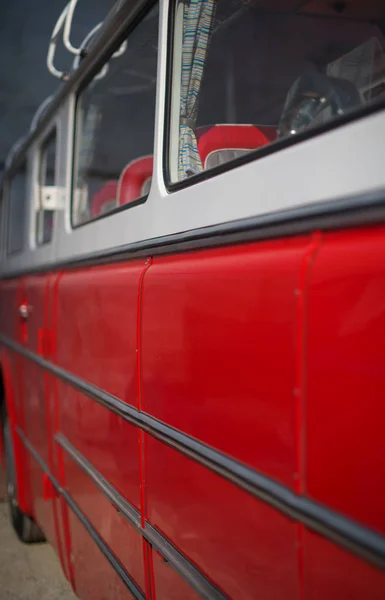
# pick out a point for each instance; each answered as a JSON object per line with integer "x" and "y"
{"x": 192, "y": 289}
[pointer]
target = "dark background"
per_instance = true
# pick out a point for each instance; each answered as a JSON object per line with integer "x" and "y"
{"x": 25, "y": 30}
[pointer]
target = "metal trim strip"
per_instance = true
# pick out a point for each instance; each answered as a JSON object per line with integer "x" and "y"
{"x": 356, "y": 538}
{"x": 343, "y": 213}
{"x": 132, "y": 587}
{"x": 173, "y": 556}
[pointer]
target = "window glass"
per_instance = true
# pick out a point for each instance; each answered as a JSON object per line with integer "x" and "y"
{"x": 44, "y": 217}
{"x": 115, "y": 127}
{"x": 17, "y": 196}
{"x": 249, "y": 72}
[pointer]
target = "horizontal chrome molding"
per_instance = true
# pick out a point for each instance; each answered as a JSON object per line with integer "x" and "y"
{"x": 133, "y": 588}
{"x": 357, "y": 538}
{"x": 129, "y": 511}
{"x": 38, "y": 459}
{"x": 175, "y": 559}
{"x": 351, "y": 211}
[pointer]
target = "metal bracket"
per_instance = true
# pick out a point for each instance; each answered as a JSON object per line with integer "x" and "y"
{"x": 52, "y": 198}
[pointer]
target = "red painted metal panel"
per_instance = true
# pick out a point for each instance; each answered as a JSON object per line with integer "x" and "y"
{"x": 346, "y": 375}
{"x": 219, "y": 349}
{"x": 333, "y": 574}
{"x": 11, "y": 297}
{"x": 114, "y": 529}
{"x": 169, "y": 584}
{"x": 96, "y": 339}
{"x": 13, "y": 386}
{"x": 241, "y": 544}
{"x": 38, "y": 400}
{"x": 97, "y": 327}
{"x": 95, "y": 577}
{"x": 238, "y": 346}
{"x": 60, "y": 506}
{"x": 107, "y": 441}
{"x": 11, "y": 326}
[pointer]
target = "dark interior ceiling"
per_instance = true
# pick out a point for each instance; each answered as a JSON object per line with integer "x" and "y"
{"x": 25, "y": 29}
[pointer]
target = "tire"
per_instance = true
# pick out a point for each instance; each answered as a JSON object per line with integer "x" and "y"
{"x": 26, "y": 529}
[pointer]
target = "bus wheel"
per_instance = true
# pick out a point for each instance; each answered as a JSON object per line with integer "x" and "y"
{"x": 26, "y": 529}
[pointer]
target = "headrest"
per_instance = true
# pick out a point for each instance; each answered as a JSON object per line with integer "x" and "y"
{"x": 233, "y": 138}
{"x": 105, "y": 199}
{"x": 133, "y": 182}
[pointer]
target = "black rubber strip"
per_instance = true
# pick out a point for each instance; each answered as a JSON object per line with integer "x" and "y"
{"x": 129, "y": 511}
{"x": 184, "y": 567}
{"x": 130, "y": 584}
{"x": 357, "y": 538}
{"x": 342, "y": 213}
{"x": 133, "y": 588}
{"x": 174, "y": 557}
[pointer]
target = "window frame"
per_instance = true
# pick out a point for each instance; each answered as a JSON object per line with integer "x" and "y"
{"x": 76, "y": 120}
{"x": 53, "y": 133}
{"x": 253, "y": 155}
{"x": 10, "y": 177}
{"x": 2, "y": 227}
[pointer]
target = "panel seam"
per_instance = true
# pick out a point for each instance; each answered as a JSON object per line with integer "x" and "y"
{"x": 147, "y": 554}
{"x": 166, "y": 549}
{"x": 301, "y": 295}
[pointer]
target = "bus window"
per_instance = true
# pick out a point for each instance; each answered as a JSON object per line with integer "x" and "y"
{"x": 247, "y": 74}
{"x": 44, "y": 217}
{"x": 114, "y": 135}
{"x": 16, "y": 203}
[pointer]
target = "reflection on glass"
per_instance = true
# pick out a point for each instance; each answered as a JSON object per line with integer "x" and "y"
{"x": 115, "y": 127}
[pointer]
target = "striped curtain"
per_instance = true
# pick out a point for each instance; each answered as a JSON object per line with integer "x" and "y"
{"x": 197, "y": 25}
{"x": 91, "y": 123}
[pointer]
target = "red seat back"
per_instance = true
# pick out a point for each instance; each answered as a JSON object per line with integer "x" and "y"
{"x": 134, "y": 179}
{"x": 232, "y": 138}
{"x": 103, "y": 200}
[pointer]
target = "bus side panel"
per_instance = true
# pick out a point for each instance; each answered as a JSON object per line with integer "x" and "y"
{"x": 38, "y": 401}
{"x": 61, "y": 509}
{"x": 95, "y": 577}
{"x": 169, "y": 585}
{"x": 13, "y": 364}
{"x": 96, "y": 342}
{"x": 114, "y": 529}
{"x": 219, "y": 349}
{"x": 333, "y": 574}
{"x": 346, "y": 376}
{"x": 239, "y": 543}
{"x": 345, "y": 462}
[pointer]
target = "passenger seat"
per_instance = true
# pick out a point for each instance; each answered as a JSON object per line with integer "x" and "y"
{"x": 105, "y": 199}
{"x": 135, "y": 180}
{"x": 221, "y": 143}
